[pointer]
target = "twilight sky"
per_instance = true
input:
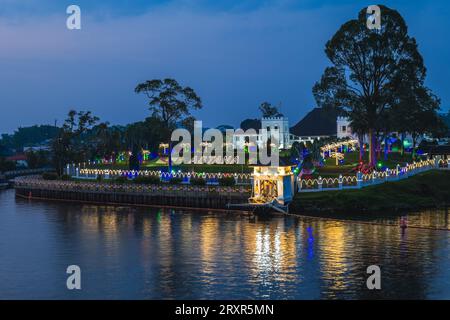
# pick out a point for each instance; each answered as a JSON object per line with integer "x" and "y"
{"x": 234, "y": 53}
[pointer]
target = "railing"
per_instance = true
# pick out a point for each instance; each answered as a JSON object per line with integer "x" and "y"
{"x": 76, "y": 172}
{"x": 16, "y": 173}
{"x": 361, "y": 180}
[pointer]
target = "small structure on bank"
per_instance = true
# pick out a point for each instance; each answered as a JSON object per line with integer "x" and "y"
{"x": 273, "y": 186}
{"x": 336, "y": 150}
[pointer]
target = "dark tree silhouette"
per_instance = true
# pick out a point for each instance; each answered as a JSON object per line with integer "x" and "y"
{"x": 169, "y": 102}
{"x": 250, "y": 124}
{"x": 269, "y": 110}
{"x": 71, "y": 145}
{"x": 367, "y": 69}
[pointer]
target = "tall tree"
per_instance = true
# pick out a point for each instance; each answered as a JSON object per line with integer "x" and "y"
{"x": 69, "y": 145}
{"x": 366, "y": 67}
{"x": 421, "y": 116}
{"x": 169, "y": 102}
{"x": 446, "y": 125}
{"x": 269, "y": 110}
{"x": 250, "y": 124}
{"x": 106, "y": 140}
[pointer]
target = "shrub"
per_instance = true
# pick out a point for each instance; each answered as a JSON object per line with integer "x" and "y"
{"x": 227, "y": 181}
{"x": 99, "y": 177}
{"x": 66, "y": 177}
{"x": 175, "y": 180}
{"x": 121, "y": 179}
{"x": 49, "y": 176}
{"x": 147, "y": 180}
{"x": 198, "y": 181}
{"x": 6, "y": 165}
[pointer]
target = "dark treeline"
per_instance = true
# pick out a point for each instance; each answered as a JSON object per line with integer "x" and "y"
{"x": 83, "y": 138}
{"x": 27, "y": 136}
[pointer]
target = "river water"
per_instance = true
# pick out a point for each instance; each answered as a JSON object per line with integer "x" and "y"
{"x": 150, "y": 253}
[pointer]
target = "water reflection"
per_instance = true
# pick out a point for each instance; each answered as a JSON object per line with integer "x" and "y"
{"x": 173, "y": 254}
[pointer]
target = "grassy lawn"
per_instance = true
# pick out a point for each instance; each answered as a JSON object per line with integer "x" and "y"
{"x": 334, "y": 171}
{"x": 329, "y": 170}
{"x": 351, "y": 160}
{"x": 426, "y": 190}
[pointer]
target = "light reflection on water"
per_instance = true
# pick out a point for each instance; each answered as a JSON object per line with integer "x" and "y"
{"x": 144, "y": 253}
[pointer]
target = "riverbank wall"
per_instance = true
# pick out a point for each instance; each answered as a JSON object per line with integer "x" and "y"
{"x": 425, "y": 190}
{"x": 211, "y": 197}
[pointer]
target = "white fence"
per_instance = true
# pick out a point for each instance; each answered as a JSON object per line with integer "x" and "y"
{"x": 361, "y": 180}
{"x": 209, "y": 177}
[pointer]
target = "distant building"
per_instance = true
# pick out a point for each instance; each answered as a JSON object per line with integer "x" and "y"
{"x": 43, "y": 146}
{"x": 319, "y": 123}
{"x": 344, "y": 131}
{"x": 285, "y": 138}
{"x": 316, "y": 124}
{"x": 36, "y": 148}
{"x": 19, "y": 159}
{"x": 282, "y": 125}
{"x": 343, "y": 128}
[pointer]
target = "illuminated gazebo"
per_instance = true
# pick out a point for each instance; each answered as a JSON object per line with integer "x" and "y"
{"x": 332, "y": 149}
{"x": 272, "y": 184}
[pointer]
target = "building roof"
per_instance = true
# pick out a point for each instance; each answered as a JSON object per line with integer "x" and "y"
{"x": 318, "y": 122}
{"x": 437, "y": 150}
{"x": 17, "y": 157}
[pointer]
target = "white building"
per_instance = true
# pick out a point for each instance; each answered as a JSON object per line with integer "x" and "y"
{"x": 343, "y": 128}
{"x": 271, "y": 124}
{"x": 282, "y": 125}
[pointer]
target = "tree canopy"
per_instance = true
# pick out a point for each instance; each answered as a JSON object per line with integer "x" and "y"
{"x": 28, "y": 136}
{"x": 171, "y": 104}
{"x": 269, "y": 110}
{"x": 168, "y": 100}
{"x": 72, "y": 142}
{"x": 374, "y": 72}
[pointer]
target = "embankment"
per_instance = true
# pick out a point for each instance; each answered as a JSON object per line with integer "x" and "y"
{"x": 425, "y": 190}
{"x": 211, "y": 197}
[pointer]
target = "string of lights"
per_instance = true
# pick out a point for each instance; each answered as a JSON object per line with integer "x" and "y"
{"x": 37, "y": 182}
{"x": 360, "y": 179}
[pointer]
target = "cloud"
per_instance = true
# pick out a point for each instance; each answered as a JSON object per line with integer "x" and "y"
{"x": 234, "y": 58}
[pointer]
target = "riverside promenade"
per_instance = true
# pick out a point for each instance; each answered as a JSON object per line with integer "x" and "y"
{"x": 193, "y": 196}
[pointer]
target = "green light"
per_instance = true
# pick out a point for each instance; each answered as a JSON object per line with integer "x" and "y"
{"x": 158, "y": 215}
